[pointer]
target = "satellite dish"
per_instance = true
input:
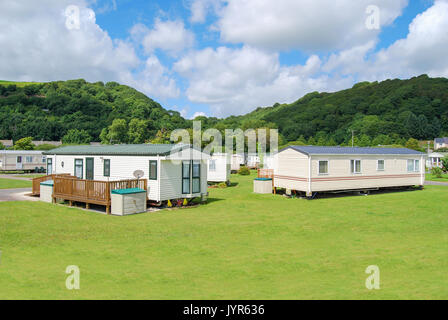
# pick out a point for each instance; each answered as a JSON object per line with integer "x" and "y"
{"x": 138, "y": 174}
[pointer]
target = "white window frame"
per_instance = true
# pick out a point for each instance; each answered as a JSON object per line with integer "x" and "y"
{"x": 28, "y": 158}
{"x": 328, "y": 168}
{"x": 353, "y": 169}
{"x": 415, "y": 167}
{"x": 378, "y": 165}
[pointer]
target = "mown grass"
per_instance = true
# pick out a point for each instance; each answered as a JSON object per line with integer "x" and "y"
{"x": 238, "y": 246}
{"x": 14, "y": 184}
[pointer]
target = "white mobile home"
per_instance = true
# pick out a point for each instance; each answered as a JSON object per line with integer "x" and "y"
{"x": 237, "y": 161}
{"x": 218, "y": 168}
{"x": 269, "y": 162}
{"x": 326, "y": 169}
{"x": 435, "y": 159}
{"x": 23, "y": 160}
{"x": 172, "y": 171}
{"x": 253, "y": 161}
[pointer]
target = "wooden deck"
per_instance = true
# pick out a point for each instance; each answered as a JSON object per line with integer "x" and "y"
{"x": 37, "y": 181}
{"x": 92, "y": 191}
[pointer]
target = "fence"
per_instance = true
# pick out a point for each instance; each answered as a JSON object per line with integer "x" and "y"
{"x": 266, "y": 173}
{"x": 92, "y": 191}
{"x": 37, "y": 181}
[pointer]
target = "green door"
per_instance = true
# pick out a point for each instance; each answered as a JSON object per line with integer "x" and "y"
{"x": 89, "y": 168}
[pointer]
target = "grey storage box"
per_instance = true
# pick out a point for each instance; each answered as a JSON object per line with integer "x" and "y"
{"x": 263, "y": 185}
{"x": 46, "y": 191}
{"x": 128, "y": 201}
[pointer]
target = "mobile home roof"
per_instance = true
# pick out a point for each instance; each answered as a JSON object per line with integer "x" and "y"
{"x": 119, "y": 150}
{"x": 315, "y": 150}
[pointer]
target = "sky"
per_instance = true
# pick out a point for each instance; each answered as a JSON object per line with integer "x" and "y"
{"x": 223, "y": 57}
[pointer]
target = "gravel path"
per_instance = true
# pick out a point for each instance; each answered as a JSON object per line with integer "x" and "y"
{"x": 436, "y": 183}
{"x": 16, "y": 195}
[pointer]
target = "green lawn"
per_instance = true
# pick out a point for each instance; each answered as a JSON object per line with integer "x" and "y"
{"x": 238, "y": 246}
{"x": 431, "y": 177}
{"x": 14, "y": 184}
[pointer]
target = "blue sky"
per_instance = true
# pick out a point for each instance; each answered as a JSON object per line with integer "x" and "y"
{"x": 228, "y": 57}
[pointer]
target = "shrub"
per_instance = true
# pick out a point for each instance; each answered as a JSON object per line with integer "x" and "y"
{"x": 437, "y": 172}
{"x": 222, "y": 185}
{"x": 244, "y": 171}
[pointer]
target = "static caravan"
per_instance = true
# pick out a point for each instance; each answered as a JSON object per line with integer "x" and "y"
{"x": 435, "y": 159}
{"x": 172, "y": 171}
{"x": 269, "y": 162}
{"x": 311, "y": 169}
{"x": 218, "y": 168}
{"x": 237, "y": 161}
{"x": 23, "y": 160}
{"x": 253, "y": 161}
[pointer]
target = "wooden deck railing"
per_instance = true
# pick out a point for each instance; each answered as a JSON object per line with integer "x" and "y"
{"x": 92, "y": 191}
{"x": 37, "y": 181}
{"x": 266, "y": 173}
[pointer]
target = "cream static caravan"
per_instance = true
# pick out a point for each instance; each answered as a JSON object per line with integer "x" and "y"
{"x": 21, "y": 160}
{"x": 312, "y": 169}
{"x": 172, "y": 171}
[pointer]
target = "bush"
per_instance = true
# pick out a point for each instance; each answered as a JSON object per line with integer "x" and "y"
{"x": 437, "y": 172}
{"x": 222, "y": 185}
{"x": 244, "y": 171}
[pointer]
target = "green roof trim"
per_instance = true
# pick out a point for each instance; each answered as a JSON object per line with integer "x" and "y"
{"x": 119, "y": 150}
{"x": 128, "y": 191}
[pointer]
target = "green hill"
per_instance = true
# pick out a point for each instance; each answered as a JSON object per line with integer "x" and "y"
{"x": 388, "y": 112}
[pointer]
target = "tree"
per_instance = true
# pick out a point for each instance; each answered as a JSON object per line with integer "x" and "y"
{"x": 118, "y": 131}
{"x": 365, "y": 141}
{"x": 24, "y": 144}
{"x": 412, "y": 144}
{"x": 2, "y": 146}
{"x": 75, "y": 136}
{"x": 138, "y": 131}
{"x": 162, "y": 137}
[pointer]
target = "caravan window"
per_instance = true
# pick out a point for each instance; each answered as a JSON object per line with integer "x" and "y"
{"x": 29, "y": 159}
{"x": 79, "y": 168}
{"x": 19, "y": 159}
{"x": 153, "y": 170}
{"x": 413, "y": 165}
{"x": 323, "y": 167}
{"x": 212, "y": 165}
{"x": 380, "y": 165}
{"x": 355, "y": 166}
{"x": 106, "y": 169}
{"x": 186, "y": 175}
{"x": 196, "y": 177}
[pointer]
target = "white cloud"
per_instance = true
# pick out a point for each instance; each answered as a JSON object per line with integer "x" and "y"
{"x": 306, "y": 24}
{"x": 169, "y": 36}
{"x": 234, "y": 81}
{"x": 200, "y": 8}
{"x": 424, "y": 50}
{"x": 37, "y": 46}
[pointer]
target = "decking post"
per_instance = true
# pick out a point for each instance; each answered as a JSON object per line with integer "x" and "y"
{"x": 108, "y": 210}
{"x": 87, "y": 205}
{"x": 70, "y": 203}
